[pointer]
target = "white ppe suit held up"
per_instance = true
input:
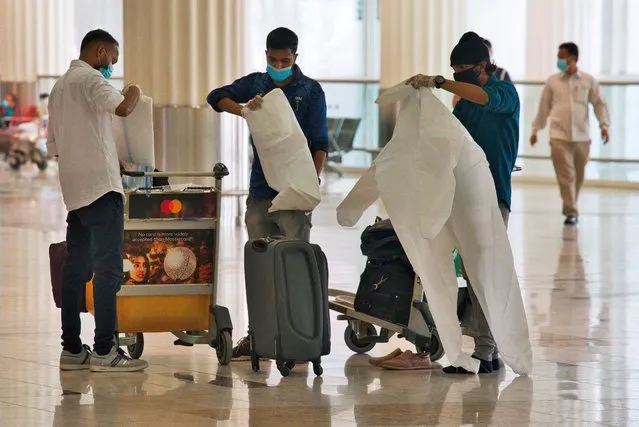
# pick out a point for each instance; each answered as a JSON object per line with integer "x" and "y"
{"x": 433, "y": 178}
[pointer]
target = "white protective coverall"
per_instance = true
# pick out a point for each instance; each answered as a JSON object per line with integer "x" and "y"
{"x": 283, "y": 149}
{"x": 135, "y": 142}
{"x": 437, "y": 188}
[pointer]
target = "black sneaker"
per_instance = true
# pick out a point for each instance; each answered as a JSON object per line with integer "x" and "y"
{"x": 242, "y": 351}
{"x": 571, "y": 220}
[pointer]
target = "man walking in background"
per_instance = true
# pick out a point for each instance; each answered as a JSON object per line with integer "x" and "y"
{"x": 565, "y": 99}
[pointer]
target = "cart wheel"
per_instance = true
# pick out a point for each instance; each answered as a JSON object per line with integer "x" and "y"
{"x": 354, "y": 343}
{"x": 284, "y": 370}
{"x": 135, "y": 350}
{"x": 317, "y": 369}
{"x": 224, "y": 348}
{"x": 255, "y": 362}
{"x": 436, "y": 348}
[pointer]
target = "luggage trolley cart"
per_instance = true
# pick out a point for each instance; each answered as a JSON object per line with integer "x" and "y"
{"x": 175, "y": 234}
{"x": 361, "y": 335}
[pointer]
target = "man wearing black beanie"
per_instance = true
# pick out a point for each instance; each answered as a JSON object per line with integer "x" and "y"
{"x": 489, "y": 110}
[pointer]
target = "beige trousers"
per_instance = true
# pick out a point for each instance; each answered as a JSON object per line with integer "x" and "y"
{"x": 569, "y": 160}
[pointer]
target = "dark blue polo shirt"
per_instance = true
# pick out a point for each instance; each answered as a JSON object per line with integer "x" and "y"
{"x": 495, "y": 128}
{"x": 307, "y": 101}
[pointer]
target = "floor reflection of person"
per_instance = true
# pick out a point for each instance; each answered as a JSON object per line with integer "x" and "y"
{"x": 139, "y": 272}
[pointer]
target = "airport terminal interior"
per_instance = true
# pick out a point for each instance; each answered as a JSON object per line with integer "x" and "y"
{"x": 577, "y": 281}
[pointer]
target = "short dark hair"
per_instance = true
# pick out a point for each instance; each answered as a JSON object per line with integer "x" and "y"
{"x": 571, "y": 48}
{"x": 282, "y": 38}
{"x": 97, "y": 36}
{"x": 488, "y": 44}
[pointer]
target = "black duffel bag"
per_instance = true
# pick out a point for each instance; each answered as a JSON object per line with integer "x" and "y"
{"x": 380, "y": 242}
{"x": 386, "y": 290}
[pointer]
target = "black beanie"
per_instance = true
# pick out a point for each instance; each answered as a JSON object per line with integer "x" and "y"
{"x": 470, "y": 50}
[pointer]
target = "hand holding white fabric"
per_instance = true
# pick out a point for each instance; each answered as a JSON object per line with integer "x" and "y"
{"x": 419, "y": 81}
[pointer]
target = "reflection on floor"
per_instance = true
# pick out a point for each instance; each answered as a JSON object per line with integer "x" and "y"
{"x": 580, "y": 290}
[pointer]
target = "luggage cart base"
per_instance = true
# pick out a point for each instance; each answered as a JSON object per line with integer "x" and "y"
{"x": 361, "y": 335}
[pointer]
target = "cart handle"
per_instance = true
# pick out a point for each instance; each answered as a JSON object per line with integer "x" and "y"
{"x": 219, "y": 172}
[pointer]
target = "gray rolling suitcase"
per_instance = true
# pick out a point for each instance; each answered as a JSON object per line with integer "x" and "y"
{"x": 287, "y": 303}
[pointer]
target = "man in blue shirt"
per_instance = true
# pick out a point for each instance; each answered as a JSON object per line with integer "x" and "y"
{"x": 309, "y": 105}
{"x": 489, "y": 110}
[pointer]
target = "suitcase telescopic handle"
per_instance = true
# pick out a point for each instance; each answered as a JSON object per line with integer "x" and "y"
{"x": 260, "y": 245}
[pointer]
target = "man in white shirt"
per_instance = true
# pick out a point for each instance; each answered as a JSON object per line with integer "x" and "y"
{"x": 81, "y": 105}
{"x": 565, "y": 99}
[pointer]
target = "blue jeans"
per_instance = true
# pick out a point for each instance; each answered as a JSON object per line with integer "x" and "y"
{"x": 290, "y": 224}
{"x": 95, "y": 236}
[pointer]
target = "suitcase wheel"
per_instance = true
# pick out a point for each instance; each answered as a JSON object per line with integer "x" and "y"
{"x": 317, "y": 369}
{"x": 135, "y": 350}
{"x": 284, "y": 369}
{"x": 224, "y": 349}
{"x": 255, "y": 362}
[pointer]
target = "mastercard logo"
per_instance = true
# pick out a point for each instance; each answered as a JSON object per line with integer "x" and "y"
{"x": 170, "y": 207}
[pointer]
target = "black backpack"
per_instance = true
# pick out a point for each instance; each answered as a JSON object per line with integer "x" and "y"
{"x": 386, "y": 286}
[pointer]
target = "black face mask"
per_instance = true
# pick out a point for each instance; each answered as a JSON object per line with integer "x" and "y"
{"x": 467, "y": 76}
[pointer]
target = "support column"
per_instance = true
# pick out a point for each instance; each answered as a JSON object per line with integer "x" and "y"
{"x": 36, "y": 38}
{"x": 417, "y": 36}
{"x": 177, "y": 51}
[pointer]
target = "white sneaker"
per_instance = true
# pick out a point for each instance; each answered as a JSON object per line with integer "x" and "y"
{"x": 116, "y": 361}
{"x": 75, "y": 362}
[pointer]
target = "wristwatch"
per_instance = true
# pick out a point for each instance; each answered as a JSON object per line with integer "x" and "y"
{"x": 439, "y": 81}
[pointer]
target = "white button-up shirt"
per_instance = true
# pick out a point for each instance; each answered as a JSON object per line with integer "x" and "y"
{"x": 565, "y": 99}
{"x": 81, "y": 105}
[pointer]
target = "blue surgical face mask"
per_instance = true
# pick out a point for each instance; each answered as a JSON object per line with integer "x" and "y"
{"x": 106, "y": 71}
{"x": 562, "y": 64}
{"x": 279, "y": 74}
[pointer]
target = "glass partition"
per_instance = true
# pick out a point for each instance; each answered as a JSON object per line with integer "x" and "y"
{"x": 618, "y": 160}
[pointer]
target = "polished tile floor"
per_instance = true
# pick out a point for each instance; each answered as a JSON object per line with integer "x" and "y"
{"x": 579, "y": 287}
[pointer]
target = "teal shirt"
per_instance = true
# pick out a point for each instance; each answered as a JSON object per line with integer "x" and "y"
{"x": 495, "y": 128}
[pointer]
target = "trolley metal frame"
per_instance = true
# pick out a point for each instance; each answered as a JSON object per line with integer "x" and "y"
{"x": 219, "y": 334}
{"x": 361, "y": 336}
